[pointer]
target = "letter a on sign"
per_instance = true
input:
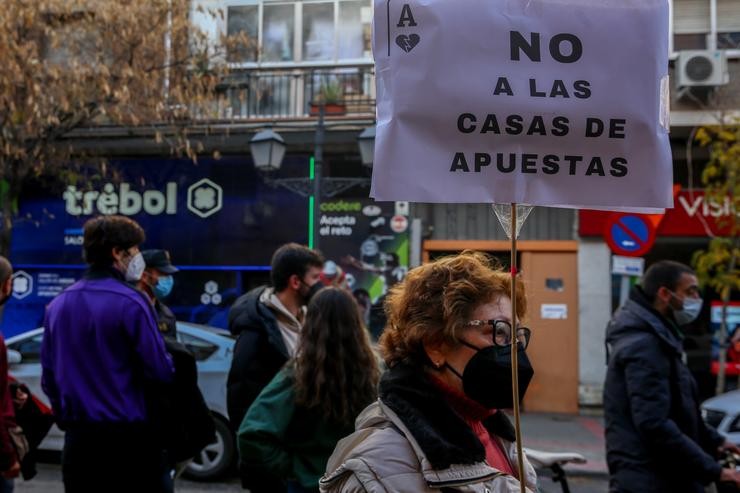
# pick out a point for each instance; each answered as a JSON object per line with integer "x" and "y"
{"x": 407, "y": 18}
{"x": 446, "y": 73}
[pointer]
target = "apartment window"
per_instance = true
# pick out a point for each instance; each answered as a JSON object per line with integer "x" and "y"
{"x": 73, "y": 38}
{"x": 308, "y": 31}
{"x": 728, "y": 24}
{"x": 318, "y": 31}
{"x": 244, "y": 19}
{"x": 278, "y": 32}
{"x": 728, "y": 41}
{"x": 354, "y": 33}
{"x": 692, "y": 24}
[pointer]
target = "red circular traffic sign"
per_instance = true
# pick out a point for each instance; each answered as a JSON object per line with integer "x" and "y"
{"x": 631, "y": 235}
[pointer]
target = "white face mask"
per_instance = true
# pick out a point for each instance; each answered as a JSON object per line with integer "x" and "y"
{"x": 135, "y": 268}
{"x": 689, "y": 312}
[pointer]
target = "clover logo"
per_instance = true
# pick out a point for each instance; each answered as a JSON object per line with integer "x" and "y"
{"x": 22, "y": 284}
{"x": 205, "y": 198}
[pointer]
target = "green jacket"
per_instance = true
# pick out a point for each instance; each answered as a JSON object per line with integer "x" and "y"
{"x": 287, "y": 440}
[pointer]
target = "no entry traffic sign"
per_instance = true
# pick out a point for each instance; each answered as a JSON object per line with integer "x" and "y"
{"x": 630, "y": 235}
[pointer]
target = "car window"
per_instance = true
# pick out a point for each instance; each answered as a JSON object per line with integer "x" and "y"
{"x": 30, "y": 348}
{"x": 200, "y": 348}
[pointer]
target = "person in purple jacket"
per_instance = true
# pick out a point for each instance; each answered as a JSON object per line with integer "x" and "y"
{"x": 101, "y": 352}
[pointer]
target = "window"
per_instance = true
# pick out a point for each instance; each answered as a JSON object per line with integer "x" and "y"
{"x": 278, "y": 33}
{"x": 353, "y": 38}
{"x": 309, "y": 31}
{"x": 728, "y": 41}
{"x": 692, "y": 24}
{"x": 201, "y": 349}
{"x": 244, "y": 19}
{"x": 689, "y": 42}
{"x": 73, "y": 39}
{"x": 318, "y": 31}
{"x": 30, "y": 348}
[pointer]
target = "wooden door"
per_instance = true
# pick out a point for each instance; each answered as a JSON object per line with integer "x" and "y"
{"x": 551, "y": 279}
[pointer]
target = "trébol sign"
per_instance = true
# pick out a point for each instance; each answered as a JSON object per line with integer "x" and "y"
{"x": 546, "y": 107}
{"x": 204, "y": 199}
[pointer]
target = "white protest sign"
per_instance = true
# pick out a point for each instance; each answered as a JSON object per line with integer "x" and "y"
{"x": 544, "y": 102}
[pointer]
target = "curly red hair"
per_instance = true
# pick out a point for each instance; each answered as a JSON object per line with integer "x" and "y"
{"x": 436, "y": 299}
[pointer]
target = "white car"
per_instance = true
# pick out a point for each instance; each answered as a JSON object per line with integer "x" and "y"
{"x": 723, "y": 412}
{"x": 213, "y": 349}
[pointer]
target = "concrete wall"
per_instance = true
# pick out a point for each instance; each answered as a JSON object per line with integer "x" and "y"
{"x": 594, "y": 287}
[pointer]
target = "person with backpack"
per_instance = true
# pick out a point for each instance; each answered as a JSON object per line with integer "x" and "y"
{"x": 296, "y": 421}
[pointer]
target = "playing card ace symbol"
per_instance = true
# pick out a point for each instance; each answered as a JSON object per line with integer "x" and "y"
{"x": 407, "y": 42}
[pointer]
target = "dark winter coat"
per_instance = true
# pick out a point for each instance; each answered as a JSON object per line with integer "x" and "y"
{"x": 182, "y": 415}
{"x": 259, "y": 353}
{"x": 655, "y": 437}
{"x": 166, "y": 320}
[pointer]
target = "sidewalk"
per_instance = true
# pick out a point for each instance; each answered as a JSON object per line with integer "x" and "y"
{"x": 568, "y": 433}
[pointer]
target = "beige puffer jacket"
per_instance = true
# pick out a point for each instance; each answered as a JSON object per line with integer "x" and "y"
{"x": 382, "y": 456}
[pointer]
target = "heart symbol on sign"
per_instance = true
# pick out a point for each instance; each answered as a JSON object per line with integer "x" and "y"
{"x": 407, "y": 42}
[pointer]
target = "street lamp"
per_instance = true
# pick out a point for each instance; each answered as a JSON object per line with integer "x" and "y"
{"x": 366, "y": 141}
{"x": 268, "y": 150}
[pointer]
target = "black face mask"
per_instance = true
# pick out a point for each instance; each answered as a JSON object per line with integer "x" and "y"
{"x": 487, "y": 376}
{"x": 312, "y": 290}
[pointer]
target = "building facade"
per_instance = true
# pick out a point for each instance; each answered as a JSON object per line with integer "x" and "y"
{"x": 312, "y": 54}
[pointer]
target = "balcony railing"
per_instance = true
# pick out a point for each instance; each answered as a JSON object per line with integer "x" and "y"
{"x": 292, "y": 93}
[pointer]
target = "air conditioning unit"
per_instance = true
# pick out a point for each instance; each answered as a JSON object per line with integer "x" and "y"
{"x": 701, "y": 68}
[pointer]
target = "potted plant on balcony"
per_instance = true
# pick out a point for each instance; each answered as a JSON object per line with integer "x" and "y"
{"x": 331, "y": 96}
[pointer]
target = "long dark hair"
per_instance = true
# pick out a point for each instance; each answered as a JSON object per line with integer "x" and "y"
{"x": 336, "y": 371}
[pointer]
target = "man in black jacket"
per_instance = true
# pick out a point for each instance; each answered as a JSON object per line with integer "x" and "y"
{"x": 656, "y": 440}
{"x": 267, "y": 321}
{"x": 157, "y": 282}
{"x": 183, "y": 418}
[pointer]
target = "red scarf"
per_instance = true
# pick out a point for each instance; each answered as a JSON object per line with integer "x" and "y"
{"x": 474, "y": 414}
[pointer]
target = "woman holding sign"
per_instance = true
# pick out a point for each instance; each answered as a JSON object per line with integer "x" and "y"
{"x": 437, "y": 424}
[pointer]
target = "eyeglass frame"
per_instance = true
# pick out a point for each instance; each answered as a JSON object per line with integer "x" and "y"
{"x": 493, "y": 322}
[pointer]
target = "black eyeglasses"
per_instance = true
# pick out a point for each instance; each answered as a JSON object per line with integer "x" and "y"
{"x": 502, "y": 332}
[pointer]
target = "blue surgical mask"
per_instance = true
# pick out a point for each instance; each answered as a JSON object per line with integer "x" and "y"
{"x": 163, "y": 287}
{"x": 690, "y": 311}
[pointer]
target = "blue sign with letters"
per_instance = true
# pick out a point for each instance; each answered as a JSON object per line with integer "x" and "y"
{"x": 218, "y": 219}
